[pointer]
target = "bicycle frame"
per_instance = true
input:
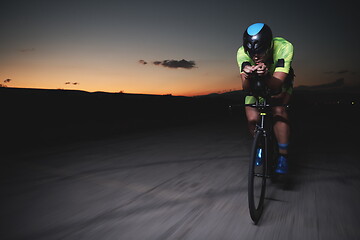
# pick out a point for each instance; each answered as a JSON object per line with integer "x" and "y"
{"x": 265, "y": 140}
{"x": 265, "y": 126}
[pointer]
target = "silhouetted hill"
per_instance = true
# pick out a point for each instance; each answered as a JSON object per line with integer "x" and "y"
{"x": 232, "y": 96}
{"x": 41, "y": 116}
{"x": 303, "y": 95}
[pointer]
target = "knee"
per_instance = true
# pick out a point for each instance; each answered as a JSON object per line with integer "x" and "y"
{"x": 252, "y": 115}
{"x": 252, "y": 120}
{"x": 280, "y": 112}
{"x": 280, "y": 115}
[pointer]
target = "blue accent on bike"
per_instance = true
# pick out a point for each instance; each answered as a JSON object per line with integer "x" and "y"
{"x": 283, "y": 146}
{"x": 258, "y": 161}
{"x": 255, "y": 28}
{"x": 282, "y": 166}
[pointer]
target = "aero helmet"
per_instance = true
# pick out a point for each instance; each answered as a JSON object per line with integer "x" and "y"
{"x": 257, "y": 39}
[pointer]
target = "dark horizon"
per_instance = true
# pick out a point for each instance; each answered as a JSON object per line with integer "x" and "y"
{"x": 337, "y": 85}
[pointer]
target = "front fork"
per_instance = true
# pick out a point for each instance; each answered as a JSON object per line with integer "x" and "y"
{"x": 267, "y": 144}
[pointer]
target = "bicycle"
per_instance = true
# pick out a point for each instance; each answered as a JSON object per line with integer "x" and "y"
{"x": 265, "y": 140}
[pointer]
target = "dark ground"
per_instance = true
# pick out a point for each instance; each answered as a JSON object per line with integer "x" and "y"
{"x": 99, "y": 166}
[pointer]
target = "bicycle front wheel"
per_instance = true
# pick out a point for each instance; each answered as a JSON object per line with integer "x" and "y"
{"x": 257, "y": 176}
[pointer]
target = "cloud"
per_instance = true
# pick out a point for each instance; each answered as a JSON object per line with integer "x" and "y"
{"x": 338, "y": 83}
{"x": 173, "y": 63}
{"x": 340, "y": 72}
{"x": 176, "y": 64}
{"x": 26, "y": 50}
{"x": 7, "y": 80}
{"x": 74, "y": 83}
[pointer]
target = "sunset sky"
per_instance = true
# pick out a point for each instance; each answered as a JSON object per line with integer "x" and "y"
{"x": 123, "y": 45}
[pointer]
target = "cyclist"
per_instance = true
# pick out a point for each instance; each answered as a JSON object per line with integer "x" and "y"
{"x": 271, "y": 59}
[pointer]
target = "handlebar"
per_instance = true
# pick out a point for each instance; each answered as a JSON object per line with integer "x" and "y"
{"x": 254, "y": 105}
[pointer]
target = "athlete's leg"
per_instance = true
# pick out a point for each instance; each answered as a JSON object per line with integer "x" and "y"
{"x": 252, "y": 116}
{"x": 281, "y": 125}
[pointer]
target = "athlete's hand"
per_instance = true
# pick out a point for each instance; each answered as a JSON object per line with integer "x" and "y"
{"x": 248, "y": 69}
{"x": 261, "y": 69}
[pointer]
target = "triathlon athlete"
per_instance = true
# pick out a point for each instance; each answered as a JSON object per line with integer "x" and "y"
{"x": 270, "y": 58}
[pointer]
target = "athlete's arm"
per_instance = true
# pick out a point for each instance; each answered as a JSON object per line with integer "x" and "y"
{"x": 248, "y": 69}
{"x": 276, "y": 81}
{"x": 284, "y": 54}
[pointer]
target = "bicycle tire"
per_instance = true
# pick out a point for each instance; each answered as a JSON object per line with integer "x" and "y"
{"x": 257, "y": 178}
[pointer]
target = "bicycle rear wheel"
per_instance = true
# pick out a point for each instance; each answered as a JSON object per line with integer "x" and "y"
{"x": 257, "y": 177}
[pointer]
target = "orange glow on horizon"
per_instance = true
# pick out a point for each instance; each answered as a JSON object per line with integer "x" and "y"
{"x": 156, "y": 80}
{"x": 132, "y": 78}
{"x": 185, "y": 93}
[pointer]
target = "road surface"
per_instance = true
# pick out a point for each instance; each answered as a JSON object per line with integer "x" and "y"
{"x": 182, "y": 182}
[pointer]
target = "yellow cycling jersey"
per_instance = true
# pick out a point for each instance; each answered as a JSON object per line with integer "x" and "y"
{"x": 283, "y": 52}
